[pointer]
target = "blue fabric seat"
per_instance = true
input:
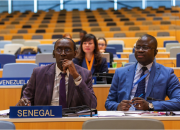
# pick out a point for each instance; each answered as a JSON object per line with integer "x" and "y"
{"x": 2, "y": 43}
{"x": 6, "y": 58}
{"x": 111, "y": 50}
{"x": 118, "y": 47}
{"x": 178, "y": 60}
{"x": 7, "y": 125}
{"x": 174, "y": 41}
{"x": 21, "y": 70}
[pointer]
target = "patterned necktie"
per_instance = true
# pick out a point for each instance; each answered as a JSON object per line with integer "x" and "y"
{"x": 141, "y": 85}
{"x": 62, "y": 91}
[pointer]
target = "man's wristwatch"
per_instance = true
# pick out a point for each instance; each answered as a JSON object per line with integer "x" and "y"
{"x": 151, "y": 107}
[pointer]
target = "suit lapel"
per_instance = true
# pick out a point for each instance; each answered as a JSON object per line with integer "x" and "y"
{"x": 154, "y": 74}
{"x": 50, "y": 76}
{"x": 71, "y": 89}
{"x": 129, "y": 80}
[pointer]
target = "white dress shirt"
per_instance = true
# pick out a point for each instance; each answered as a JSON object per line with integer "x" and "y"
{"x": 55, "y": 95}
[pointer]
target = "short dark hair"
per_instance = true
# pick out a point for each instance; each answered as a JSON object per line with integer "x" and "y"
{"x": 83, "y": 31}
{"x": 68, "y": 39}
{"x": 153, "y": 39}
{"x": 102, "y": 38}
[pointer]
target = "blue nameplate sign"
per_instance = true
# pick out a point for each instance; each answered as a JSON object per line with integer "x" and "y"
{"x": 13, "y": 81}
{"x": 44, "y": 64}
{"x": 35, "y": 112}
{"x": 29, "y": 56}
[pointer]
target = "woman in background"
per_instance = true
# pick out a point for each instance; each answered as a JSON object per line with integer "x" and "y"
{"x": 67, "y": 35}
{"x": 102, "y": 44}
{"x": 89, "y": 56}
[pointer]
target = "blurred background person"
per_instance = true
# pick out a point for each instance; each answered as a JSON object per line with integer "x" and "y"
{"x": 89, "y": 56}
{"x": 67, "y": 35}
{"x": 81, "y": 35}
{"x": 102, "y": 44}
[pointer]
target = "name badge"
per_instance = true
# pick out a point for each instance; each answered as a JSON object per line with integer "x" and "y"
{"x": 44, "y": 64}
{"x": 35, "y": 112}
{"x": 13, "y": 81}
{"x": 29, "y": 56}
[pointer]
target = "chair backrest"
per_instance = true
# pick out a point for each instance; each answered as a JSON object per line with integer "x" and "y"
{"x": 31, "y": 43}
{"x": 37, "y": 37}
{"x": 18, "y": 41}
{"x": 129, "y": 63}
{"x": 11, "y": 48}
{"x": 119, "y": 35}
{"x": 115, "y": 29}
{"x": 123, "y": 123}
{"x": 174, "y": 51}
{"x": 118, "y": 47}
{"x": 111, "y": 50}
{"x": 18, "y": 70}
{"x": 116, "y": 42}
{"x": 154, "y": 27}
{"x": 169, "y": 45}
{"x": 17, "y": 37}
{"x": 140, "y": 34}
{"x": 146, "y": 23}
{"x": 45, "y": 58}
{"x": 178, "y": 60}
{"x": 99, "y": 35}
{"x": 7, "y": 58}
{"x": 174, "y": 41}
{"x": 46, "y": 48}
{"x": 132, "y": 58}
{"x": 163, "y": 34}
{"x": 7, "y": 125}
{"x": 107, "y": 56}
{"x": 2, "y": 43}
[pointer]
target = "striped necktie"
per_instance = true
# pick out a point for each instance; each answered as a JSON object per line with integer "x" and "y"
{"x": 141, "y": 85}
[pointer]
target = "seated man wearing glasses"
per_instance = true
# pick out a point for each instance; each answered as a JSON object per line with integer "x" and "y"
{"x": 61, "y": 83}
{"x": 132, "y": 85}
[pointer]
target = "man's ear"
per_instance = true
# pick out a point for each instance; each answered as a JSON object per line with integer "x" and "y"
{"x": 53, "y": 54}
{"x": 155, "y": 52}
{"x": 75, "y": 52}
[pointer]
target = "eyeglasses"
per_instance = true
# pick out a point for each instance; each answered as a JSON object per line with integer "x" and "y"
{"x": 101, "y": 44}
{"x": 144, "y": 48}
{"x": 66, "y": 50}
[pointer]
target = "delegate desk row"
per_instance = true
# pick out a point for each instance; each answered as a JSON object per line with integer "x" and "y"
{"x": 170, "y": 122}
{"x": 128, "y": 41}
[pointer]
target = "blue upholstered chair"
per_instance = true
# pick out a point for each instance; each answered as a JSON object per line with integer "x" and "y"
{"x": 111, "y": 50}
{"x": 174, "y": 41}
{"x": 178, "y": 60}
{"x": 46, "y": 48}
{"x": 7, "y": 125}
{"x": 118, "y": 47}
{"x": 15, "y": 70}
{"x": 6, "y": 58}
{"x": 2, "y": 43}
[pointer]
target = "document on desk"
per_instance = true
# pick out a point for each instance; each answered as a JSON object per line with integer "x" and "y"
{"x": 110, "y": 113}
{"x": 4, "y": 112}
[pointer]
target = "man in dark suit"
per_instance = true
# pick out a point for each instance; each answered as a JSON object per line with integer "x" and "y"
{"x": 132, "y": 85}
{"x": 61, "y": 83}
{"x": 81, "y": 35}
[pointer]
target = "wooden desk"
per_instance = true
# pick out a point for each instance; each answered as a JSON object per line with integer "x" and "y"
{"x": 25, "y": 61}
{"x": 159, "y": 54}
{"x": 170, "y": 122}
{"x": 176, "y": 71}
{"x": 168, "y": 62}
{"x": 10, "y": 95}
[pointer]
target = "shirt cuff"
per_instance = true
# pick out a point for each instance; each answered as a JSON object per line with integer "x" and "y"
{"x": 78, "y": 82}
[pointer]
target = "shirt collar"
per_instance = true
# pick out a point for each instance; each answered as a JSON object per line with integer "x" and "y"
{"x": 58, "y": 71}
{"x": 139, "y": 66}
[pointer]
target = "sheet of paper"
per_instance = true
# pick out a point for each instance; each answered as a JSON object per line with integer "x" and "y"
{"x": 110, "y": 113}
{"x": 4, "y": 112}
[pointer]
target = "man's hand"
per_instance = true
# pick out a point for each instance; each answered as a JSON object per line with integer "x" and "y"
{"x": 140, "y": 103}
{"x": 124, "y": 105}
{"x": 23, "y": 102}
{"x": 68, "y": 64}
